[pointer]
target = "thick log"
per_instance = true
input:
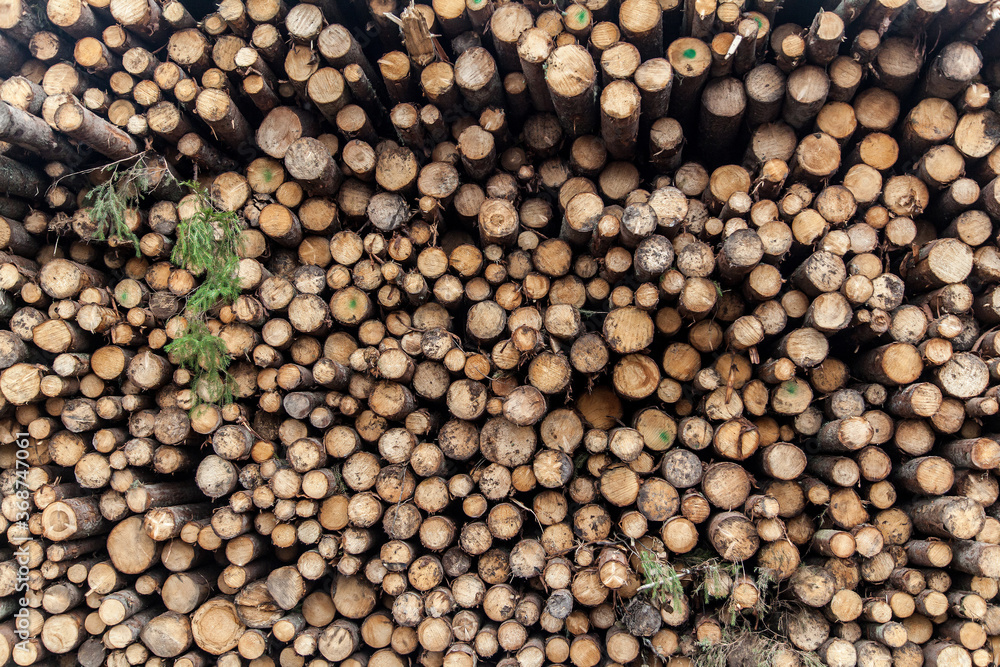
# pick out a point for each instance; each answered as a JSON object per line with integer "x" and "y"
{"x": 83, "y": 125}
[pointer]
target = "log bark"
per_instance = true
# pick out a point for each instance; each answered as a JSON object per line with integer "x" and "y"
{"x": 74, "y": 120}
{"x": 221, "y": 114}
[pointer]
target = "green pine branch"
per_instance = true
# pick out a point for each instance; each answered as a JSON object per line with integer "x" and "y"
{"x": 205, "y": 356}
{"x": 111, "y": 201}
{"x": 207, "y": 243}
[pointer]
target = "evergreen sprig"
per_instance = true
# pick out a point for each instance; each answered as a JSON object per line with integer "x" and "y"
{"x": 205, "y": 356}
{"x": 110, "y": 201}
{"x": 660, "y": 579}
{"x": 207, "y": 242}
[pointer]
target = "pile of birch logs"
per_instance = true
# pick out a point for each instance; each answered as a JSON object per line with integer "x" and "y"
{"x": 652, "y": 332}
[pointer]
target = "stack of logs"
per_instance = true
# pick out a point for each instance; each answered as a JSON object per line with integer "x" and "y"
{"x": 645, "y": 333}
